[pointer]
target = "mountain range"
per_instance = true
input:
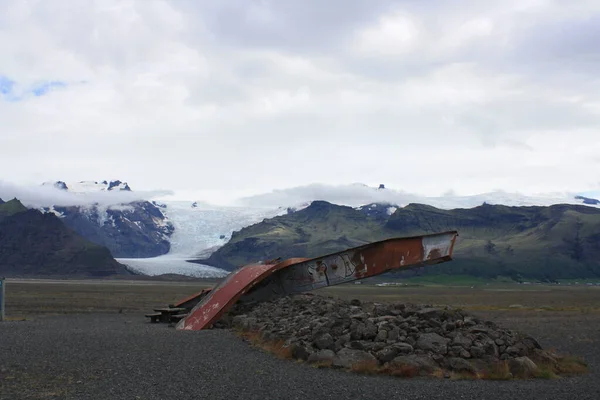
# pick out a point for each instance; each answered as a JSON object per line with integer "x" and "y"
{"x": 501, "y": 234}
{"x": 537, "y": 242}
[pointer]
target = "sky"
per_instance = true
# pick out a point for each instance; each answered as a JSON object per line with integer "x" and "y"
{"x": 229, "y": 98}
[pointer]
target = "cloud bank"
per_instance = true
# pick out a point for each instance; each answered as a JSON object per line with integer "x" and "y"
{"x": 37, "y": 196}
{"x": 358, "y": 195}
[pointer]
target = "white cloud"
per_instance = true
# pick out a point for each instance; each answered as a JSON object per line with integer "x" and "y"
{"x": 45, "y": 196}
{"x": 223, "y": 97}
{"x": 392, "y": 35}
{"x": 356, "y": 195}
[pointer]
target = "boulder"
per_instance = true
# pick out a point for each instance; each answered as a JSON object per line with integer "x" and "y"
{"x": 462, "y": 340}
{"x": 461, "y": 365}
{"x": 433, "y": 342}
{"x": 324, "y": 341}
{"x": 325, "y": 356}
{"x": 523, "y": 367}
{"x": 345, "y": 358}
{"x": 422, "y": 363}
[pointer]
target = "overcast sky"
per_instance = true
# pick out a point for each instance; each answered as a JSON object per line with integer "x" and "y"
{"x": 233, "y": 97}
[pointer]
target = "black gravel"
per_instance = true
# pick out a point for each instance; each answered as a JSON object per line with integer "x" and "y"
{"x": 120, "y": 356}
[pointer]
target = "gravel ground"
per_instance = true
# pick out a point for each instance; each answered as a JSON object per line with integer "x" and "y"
{"x": 121, "y": 356}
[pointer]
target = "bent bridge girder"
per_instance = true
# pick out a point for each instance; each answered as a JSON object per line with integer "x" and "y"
{"x": 264, "y": 281}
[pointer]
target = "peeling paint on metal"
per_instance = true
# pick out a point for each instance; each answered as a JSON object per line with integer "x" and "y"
{"x": 264, "y": 281}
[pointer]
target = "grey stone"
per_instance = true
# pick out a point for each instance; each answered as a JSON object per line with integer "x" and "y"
{"x": 322, "y": 356}
{"x": 393, "y": 334}
{"x": 345, "y": 358}
{"x": 387, "y": 354}
{"x": 356, "y": 330}
{"x": 341, "y": 341}
{"x": 479, "y": 329}
{"x": 523, "y": 367}
{"x": 461, "y": 365}
{"x": 422, "y": 363}
{"x": 300, "y": 352}
{"x": 530, "y": 343}
{"x": 477, "y": 351}
{"x": 430, "y": 313}
{"x": 382, "y": 335}
{"x": 461, "y": 340}
{"x": 370, "y": 331}
{"x": 360, "y": 315}
{"x": 324, "y": 341}
{"x": 433, "y": 342}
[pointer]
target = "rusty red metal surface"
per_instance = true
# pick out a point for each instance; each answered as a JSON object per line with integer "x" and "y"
{"x": 191, "y": 301}
{"x": 263, "y": 281}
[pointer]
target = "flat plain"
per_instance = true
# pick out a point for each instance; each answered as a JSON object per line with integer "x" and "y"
{"x": 90, "y": 340}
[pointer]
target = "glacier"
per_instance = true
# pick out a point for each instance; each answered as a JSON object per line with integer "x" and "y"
{"x": 200, "y": 229}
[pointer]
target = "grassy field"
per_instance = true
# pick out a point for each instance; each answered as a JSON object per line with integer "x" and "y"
{"x": 483, "y": 296}
{"x": 41, "y": 297}
{"x": 37, "y": 297}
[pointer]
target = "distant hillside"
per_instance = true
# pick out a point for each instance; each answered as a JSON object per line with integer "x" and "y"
{"x": 561, "y": 241}
{"x": 33, "y": 243}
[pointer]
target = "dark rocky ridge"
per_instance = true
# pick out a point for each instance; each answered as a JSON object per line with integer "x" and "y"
{"x": 345, "y": 333}
{"x": 33, "y": 243}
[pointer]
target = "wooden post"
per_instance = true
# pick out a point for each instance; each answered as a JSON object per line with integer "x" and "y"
{"x": 2, "y": 290}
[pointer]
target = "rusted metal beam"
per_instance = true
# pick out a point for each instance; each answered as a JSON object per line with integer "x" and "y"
{"x": 264, "y": 281}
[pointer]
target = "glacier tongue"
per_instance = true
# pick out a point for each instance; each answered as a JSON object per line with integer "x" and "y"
{"x": 168, "y": 264}
{"x": 201, "y": 227}
{"x": 199, "y": 230}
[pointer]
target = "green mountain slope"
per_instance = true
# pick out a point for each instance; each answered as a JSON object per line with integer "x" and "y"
{"x": 32, "y": 243}
{"x": 10, "y": 208}
{"x": 561, "y": 241}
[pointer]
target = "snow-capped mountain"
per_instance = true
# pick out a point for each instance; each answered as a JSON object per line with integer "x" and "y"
{"x": 89, "y": 186}
{"x": 128, "y": 229}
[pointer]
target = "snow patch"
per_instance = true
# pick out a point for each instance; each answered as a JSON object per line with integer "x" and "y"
{"x": 121, "y": 207}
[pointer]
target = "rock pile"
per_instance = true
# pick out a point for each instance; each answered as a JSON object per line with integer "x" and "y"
{"x": 348, "y": 333}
